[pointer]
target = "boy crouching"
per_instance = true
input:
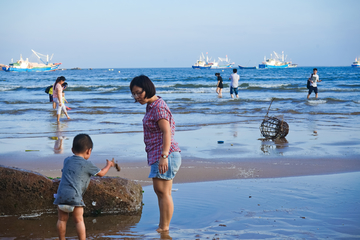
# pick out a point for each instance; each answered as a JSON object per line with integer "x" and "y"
{"x": 75, "y": 179}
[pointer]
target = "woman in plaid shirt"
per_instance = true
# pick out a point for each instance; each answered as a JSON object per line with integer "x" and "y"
{"x": 163, "y": 153}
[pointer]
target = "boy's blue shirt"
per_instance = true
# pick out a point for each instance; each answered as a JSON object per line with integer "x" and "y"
{"x": 75, "y": 179}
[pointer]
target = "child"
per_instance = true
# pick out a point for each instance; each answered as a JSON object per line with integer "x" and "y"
{"x": 314, "y": 79}
{"x": 75, "y": 179}
{"x": 219, "y": 84}
{"x": 51, "y": 97}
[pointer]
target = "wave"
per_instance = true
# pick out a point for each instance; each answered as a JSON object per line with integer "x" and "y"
{"x": 315, "y": 102}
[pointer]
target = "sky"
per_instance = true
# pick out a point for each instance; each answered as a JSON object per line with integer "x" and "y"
{"x": 155, "y": 34}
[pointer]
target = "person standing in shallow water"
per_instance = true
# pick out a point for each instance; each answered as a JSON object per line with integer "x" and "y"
{"x": 163, "y": 153}
{"x": 314, "y": 79}
{"x": 57, "y": 95}
{"x": 219, "y": 86}
{"x": 234, "y": 77}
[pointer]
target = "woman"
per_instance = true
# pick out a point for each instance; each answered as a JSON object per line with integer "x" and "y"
{"x": 219, "y": 86}
{"x": 163, "y": 153}
{"x": 57, "y": 95}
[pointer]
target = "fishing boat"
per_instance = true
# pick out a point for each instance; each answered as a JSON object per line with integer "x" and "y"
{"x": 223, "y": 63}
{"x": 276, "y": 62}
{"x": 26, "y": 66}
{"x": 200, "y": 64}
{"x": 356, "y": 63}
{"x": 207, "y": 63}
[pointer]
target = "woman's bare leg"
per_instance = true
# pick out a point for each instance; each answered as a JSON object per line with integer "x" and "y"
{"x": 162, "y": 189}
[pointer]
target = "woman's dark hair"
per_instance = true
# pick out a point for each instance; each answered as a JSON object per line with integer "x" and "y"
{"x": 81, "y": 143}
{"x": 61, "y": 78}
{"x": 145, "y": 83}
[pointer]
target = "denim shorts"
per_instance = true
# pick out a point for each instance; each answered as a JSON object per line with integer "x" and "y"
{"x": 174, "y": 162}
{"x": 232, "y": 90}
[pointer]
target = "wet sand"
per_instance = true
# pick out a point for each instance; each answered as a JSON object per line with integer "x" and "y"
{"x": 307, "y": 207}
{"x": 303, "y": 187}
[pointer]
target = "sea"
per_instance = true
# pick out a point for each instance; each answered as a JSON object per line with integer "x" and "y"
{"x": 102, "y": 106}
{"x": 101, "y": 102}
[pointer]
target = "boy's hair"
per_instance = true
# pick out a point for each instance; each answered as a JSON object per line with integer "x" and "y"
{"x": 81, "y": 143}
{"x": 217, "y": 74}
{"x": 145, "y": 83}
{"x": 234, "y": 70}
{"x": 315, "y": 69}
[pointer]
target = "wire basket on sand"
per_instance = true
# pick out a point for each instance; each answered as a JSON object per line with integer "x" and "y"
{"x": 273, "y": 127}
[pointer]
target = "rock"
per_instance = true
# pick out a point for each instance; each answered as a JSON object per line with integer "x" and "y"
{"x": 27, "y": 192}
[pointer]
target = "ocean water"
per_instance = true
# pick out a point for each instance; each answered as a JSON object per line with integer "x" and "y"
{"x": 101, "y": 102}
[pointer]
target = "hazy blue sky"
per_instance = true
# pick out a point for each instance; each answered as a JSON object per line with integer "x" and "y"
{"x": 119, "y": 34}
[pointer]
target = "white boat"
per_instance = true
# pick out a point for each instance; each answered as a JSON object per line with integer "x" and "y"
{"x": 207, "y": 63}
{"x": 26, "y": 66}
{"x": 276, "y": 62}
{"x": 356, "y": 63}
{"x": 223, "y": 63}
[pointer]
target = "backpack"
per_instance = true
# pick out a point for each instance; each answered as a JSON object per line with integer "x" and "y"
{"x": 308, "y": 82}
{"x": 47, "y": 89}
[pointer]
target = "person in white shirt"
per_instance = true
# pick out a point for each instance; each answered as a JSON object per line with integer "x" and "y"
{"x": 314, "y": 79}
{"x": 234, "y": 83}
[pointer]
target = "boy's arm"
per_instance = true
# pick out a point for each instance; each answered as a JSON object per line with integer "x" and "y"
{"x": 103, "y": 171}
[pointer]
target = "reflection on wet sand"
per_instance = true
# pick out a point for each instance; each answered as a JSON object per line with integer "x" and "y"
{"x": 269, "y": 145}
{"x": 44, "y": 226}
{"x": 59, "y": 137}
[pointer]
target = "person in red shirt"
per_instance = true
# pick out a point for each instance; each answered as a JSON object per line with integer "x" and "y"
{"x": 163, "y": 153}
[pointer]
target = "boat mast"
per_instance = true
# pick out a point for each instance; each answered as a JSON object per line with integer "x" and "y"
{"x": 47, "y": 57}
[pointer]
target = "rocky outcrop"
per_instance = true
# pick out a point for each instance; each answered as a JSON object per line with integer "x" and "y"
{"x": 27, "y": 192}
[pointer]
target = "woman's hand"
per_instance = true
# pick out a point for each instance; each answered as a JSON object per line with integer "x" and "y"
{"x": 163, "y": 165}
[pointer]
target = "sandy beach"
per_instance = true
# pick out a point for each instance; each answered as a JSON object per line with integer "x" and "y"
{"x": 226, "y": 191}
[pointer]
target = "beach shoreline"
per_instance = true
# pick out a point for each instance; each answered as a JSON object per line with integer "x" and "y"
{"x": 203, "y": 170}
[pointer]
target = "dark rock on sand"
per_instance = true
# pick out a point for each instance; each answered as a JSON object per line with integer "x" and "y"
{"x": 27, "y": 192}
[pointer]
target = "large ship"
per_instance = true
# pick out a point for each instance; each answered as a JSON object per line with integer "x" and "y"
{"x": 356, "y": 63}
{"x": 223, "y": 63}
{"x": 26, "y": 66}
{"x": 207, "y": 63}
{"x": 276, "y": 62}
{"x": 199, "y": 63}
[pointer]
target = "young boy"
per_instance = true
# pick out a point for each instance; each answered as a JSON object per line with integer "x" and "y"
{"x": 75, "y": 179}
{"x": 314, "y": 79}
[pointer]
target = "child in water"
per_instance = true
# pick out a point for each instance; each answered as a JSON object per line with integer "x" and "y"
{"x": 75, "y": 179}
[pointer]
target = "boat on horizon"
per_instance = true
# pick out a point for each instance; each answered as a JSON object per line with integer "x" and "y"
{"x": 276, "y": 62}
{"x": 26, "y": 66}
{"x": 242, "y": 67}
{"x": 356, "y": 63}
{"x": 207, "y": 63}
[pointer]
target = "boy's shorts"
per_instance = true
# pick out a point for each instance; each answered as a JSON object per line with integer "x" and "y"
{"x": 51, "y": 98}
{"x": 232, "y": 90}
{"x": 313, "y": 89}
{"x": 174, "y": 162}
{"x": 66, "y": 208}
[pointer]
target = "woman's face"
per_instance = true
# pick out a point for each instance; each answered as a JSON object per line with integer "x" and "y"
{"x": 139, "y": 94}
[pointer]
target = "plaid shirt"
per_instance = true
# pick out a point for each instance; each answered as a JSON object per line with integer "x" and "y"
{"x": 152, "y": 133}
